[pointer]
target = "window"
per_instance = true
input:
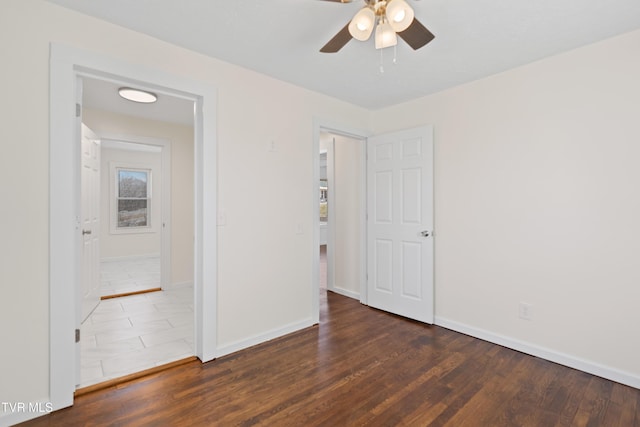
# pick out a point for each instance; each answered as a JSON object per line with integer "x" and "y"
{"x": 133, "y": 198}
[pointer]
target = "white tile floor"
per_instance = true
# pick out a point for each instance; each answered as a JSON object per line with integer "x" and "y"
{"x": 122, "y": 275}
{"x": 129, "y": 334}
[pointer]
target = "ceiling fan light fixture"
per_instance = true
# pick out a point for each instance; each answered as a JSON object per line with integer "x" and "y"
{"x": 391, "y": 19}
{"x": 361, "y": 26}
{"x": 385, "y": 36}
{"x": 137, "y": 95}
{"x": 399, "y": 14}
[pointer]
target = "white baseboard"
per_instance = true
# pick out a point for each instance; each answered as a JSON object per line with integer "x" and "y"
{"x": 178, "y": 285}
{"x": 261, "y": 338}
{"x": 345, "y": 292}
{"x": 19, "y": 415}
{"x": 590, "y": 367}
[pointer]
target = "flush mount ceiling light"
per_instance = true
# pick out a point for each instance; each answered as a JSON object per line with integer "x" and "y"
{"x": 390, "y": 18}
{"x": 137, "y": 95}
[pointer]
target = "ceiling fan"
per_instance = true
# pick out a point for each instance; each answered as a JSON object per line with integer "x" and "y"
{"x": 390, "y": 18}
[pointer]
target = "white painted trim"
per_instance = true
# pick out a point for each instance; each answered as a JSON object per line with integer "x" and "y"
{"x": 262, "y": 338}
{"x": 345, "y": 292}
{"x": 319, "y": 125}
{"x": 315, "y": 223}
{"x": 331, "y": 215}
{"x": 116, "y": 144}
{"x": 205, "y": 223}
{"x": 13, "y": 418}
{"x": 588, "y": 366}
{"x": 66, "y": 63}
{"x": 111, "y": 139}
{"x": 63, "y": 226}
{"x": 363, "y": 223}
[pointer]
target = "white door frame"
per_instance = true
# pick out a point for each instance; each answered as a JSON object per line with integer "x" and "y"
{"x": 165, "y": 196}
{"x": 66, "y": 63}
{"x": 320, "y": 125}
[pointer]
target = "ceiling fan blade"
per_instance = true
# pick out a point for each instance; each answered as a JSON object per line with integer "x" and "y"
{"x": 338, "y": 41}
{"x": 416, "y": 35}
{"x": 339, "y": 1}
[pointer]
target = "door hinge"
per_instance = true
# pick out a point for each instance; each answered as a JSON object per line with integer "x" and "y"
{"x": 78, "y": 110}
{"x": 77, "y": 335}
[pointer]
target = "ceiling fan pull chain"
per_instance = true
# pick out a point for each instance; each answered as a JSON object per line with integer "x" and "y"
{"x": 395, "y": 53}
{"x": 381, "y": 62}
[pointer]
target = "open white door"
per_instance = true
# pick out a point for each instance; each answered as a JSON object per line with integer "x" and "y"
{"x": 400, "y": 223}
{"x": 90, "y": 222}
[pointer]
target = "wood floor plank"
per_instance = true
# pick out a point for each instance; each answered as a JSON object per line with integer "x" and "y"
{"x": 575, "y": 386}
{"x": 625, "y": 400}
{"x": 523, "y": 400}
{"x": 361, "y": 367}
{"x": 594, "y": 403}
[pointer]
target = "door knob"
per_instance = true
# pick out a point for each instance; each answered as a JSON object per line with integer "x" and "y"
{"x": 424, "y": 233}
{"x": 86, "y": 232}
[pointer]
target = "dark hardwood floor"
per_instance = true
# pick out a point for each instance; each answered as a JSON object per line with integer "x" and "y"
{"x": 361, "y": 366}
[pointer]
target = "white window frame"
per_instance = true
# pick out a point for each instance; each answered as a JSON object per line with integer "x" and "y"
{"x": 114, "y": 168}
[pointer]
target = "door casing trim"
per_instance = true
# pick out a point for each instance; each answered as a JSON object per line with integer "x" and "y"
{"x": 66, "y": 63}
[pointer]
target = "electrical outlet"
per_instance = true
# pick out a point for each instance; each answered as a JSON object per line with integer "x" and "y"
{"x": 525, "y": 311}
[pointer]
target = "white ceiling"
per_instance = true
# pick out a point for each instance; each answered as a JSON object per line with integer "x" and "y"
{"x": 103, "y": 95}
{"x": 282, "y": 38}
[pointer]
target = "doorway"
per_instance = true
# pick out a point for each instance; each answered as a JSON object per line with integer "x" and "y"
{"x": 135, "y": 203}
{"x": 145, "y": 317}
{"x": 340, "y": 218}
{"x": 66, "y": 65}
{"x": 395, "y": 218}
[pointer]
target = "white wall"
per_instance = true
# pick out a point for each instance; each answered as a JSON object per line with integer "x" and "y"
{"x": 181, "y": 137}
{"x": 345, "y": 180}
{"x": 537, "y": 201}
{"x": 347, "y": 189}
{"x": 142, "y": 243}
{"x": 261, "y": 288}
